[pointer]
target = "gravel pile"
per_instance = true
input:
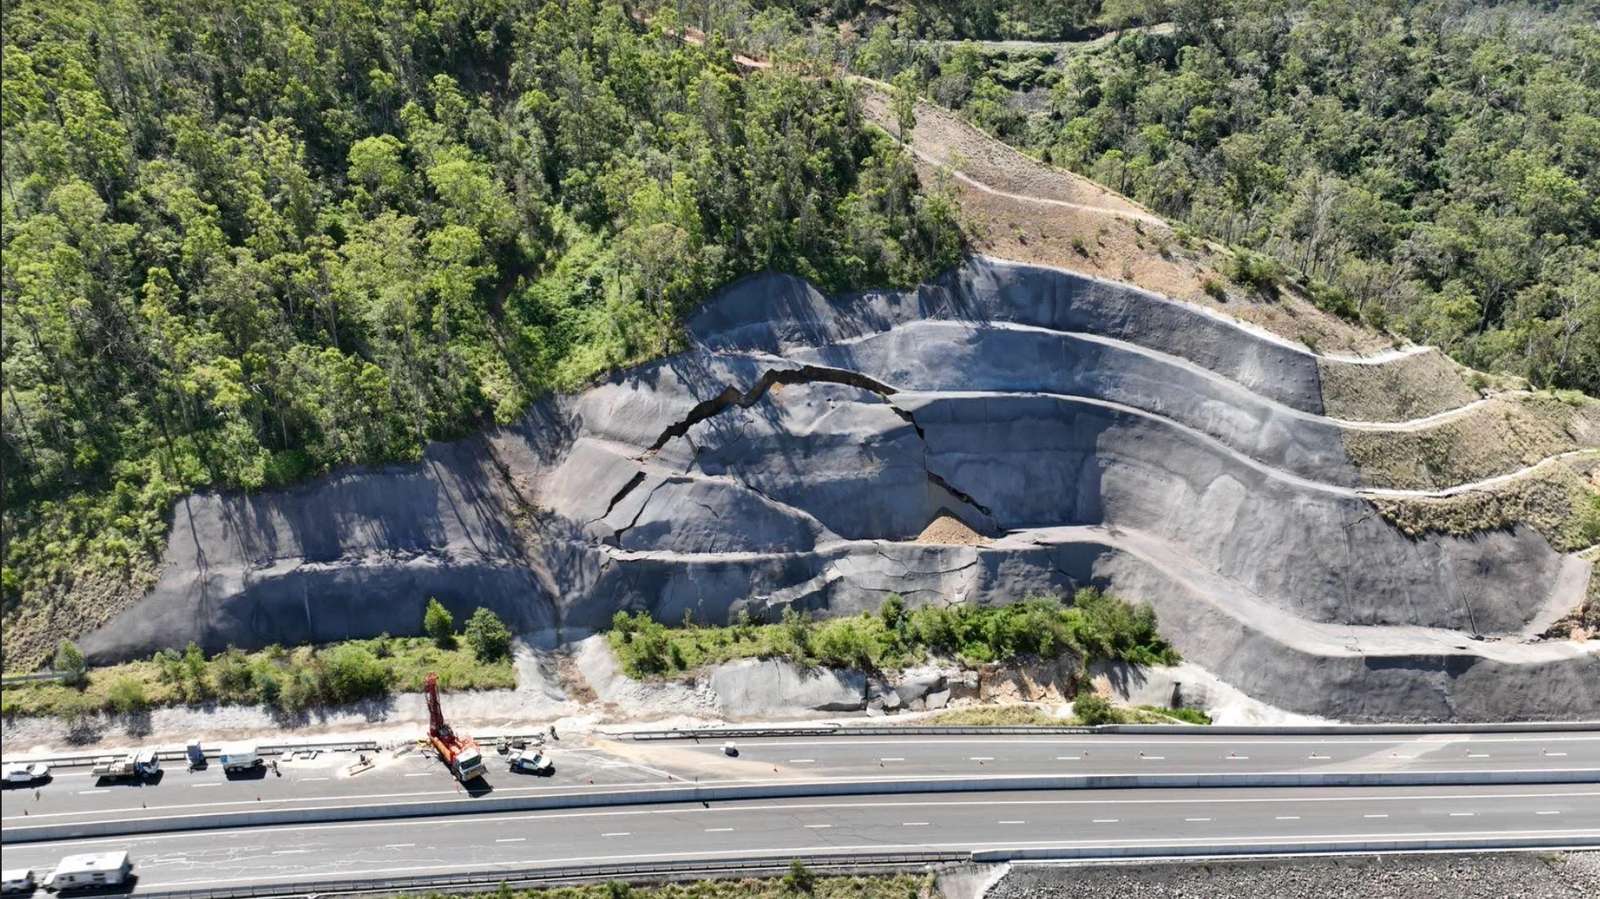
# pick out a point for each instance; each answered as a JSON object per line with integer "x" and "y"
{"x": 1501, "y": 876}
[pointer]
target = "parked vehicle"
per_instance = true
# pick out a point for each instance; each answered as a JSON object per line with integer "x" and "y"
{"x": 460, "y": 754}
{"x": 729, "y": 749}
{"x": 195, "y": 754}
{"x": 16, "y": 880}
{"x": 240, "y": 757}
{"x": 532, "y": 761}
{"x": 134, "y": 765}
{"x": 91, "y": 869}
{"x": 20, "y": 773}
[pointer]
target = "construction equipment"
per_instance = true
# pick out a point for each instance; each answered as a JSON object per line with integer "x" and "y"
{"x": 133, "y": 766}
{"x": 461, "y": 754}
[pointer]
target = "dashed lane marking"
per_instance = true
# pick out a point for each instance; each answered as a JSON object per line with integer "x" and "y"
{"x": 510, "y": 839}
{"x": 1286, "y": 818}
{"x": 913, "y": 824}
{"x": 1011, "y": 822}
{"x": 818, "y": 826}
{"x": 618, "y": 833}
{"x": 719, "y": 830}
{"x": 1194, "y": 820}
{"x": 1105, "y": 820}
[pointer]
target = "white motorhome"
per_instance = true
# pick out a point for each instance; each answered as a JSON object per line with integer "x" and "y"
{"x": 240, "y": 757}
{"x": 91, "y": 869}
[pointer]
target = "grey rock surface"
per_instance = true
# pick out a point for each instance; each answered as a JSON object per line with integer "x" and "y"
{"x": 775, "y": 688}
{"x": 1096, "y": 434}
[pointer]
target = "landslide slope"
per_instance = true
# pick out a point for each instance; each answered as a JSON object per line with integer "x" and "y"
{"x": 1096, "y": 432}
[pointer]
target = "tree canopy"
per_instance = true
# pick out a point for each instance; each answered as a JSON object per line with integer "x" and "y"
{"x": 248, "y": 242}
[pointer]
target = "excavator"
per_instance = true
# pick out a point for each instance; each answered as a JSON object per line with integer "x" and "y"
{"x": 460, "y": 754}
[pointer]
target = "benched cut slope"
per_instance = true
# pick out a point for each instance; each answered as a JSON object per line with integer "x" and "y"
{"x": 1098, "y": 433}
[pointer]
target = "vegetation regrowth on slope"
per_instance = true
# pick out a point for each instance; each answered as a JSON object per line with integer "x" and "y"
{"x": 288, "y": 680}
{"x": 1095, "y": 626}
{"x": 246, "y": 244}
{"x": 1426, "y": 166}
{"x": 799, "y": 881}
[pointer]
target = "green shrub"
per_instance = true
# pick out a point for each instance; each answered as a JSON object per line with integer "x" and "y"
{"x": 488, "y": 636}
{"x": 1093, "y": 709}
{"x": 1255, "y": 270}
{"x": 69, "y": 661}
{"x": 799, "y": 879}
{"x": 127, "y": 695}
{"x": 350, "y": 672}
{"x": 438, "y": 623}
{"x": 233, "y": 675}
{"x": 1215, "y": 289}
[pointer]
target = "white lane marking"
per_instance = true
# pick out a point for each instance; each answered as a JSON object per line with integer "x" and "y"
{"x": 1105, "y": 820}
{"x": 1547, "y": 813}
{"x": 1287, "y": 818}
{"x": 1555, "y": 755}
{"x": 719, "y": 830}
{"x": 818, "y": 826}
{"x": 1317, "y": 757}
{"x": 419, "y": 774}
{"x": 913, "y": 824}
{"x": 801, "y": 761}
{"x": 1011, "y": 822}
{"x": 891, "y": 758}
{"x": 290, "y": 851}
{"x": 198, "y": 786}
{"x": 1374, "y": 816}
{"x": 1153, "y": 758}
{"x": 91, "y": 792}
{"x": 1197, "y": 819}
{"x": 522, "y": 818}
{"x": 398, "y": 845}
{"x": 980, "y": 758}
{"x": 1069, "y": 758}
{"x": 307, "y": 780}
{"x": 618, "y": 833}
{"x": 511, "y": 839}
{"x": 1477, "y": 755}
{"x": 1461, "y": 814}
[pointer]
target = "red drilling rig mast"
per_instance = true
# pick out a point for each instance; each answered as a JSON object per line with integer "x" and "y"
{"x": 461, "y": 754}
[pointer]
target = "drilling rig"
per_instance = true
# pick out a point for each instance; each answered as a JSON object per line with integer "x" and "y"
{"x": 459, "y": 753}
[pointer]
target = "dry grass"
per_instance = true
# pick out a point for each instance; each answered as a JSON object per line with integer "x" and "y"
{"x": 1559, "y": 499}
{"x": 887, "y": 886}
{"x": 67, "y": 611}
{"x": 1409, "y": 387}
{"x": 994, "y": 716}
{"x": 1498, "y": 437}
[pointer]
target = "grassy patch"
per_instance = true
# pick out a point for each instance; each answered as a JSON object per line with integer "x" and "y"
{"x": 287, "y": 679}
{"x": 994, "y": 716}
{"x": 1095, "y": 626}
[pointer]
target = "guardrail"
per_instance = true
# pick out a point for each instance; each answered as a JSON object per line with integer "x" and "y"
{"x": 214, "y": 749}
{"x": 521, "y": 877}
{"x": 13, "y": 679}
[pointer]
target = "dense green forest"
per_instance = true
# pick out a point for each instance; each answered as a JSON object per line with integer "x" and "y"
{"x": 1433, "y": 167}
{"x": 245, "y": 242}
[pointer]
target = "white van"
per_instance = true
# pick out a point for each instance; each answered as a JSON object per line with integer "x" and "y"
{"x": 91, "y": 869}
{"x": 16, "y": 880}
{"x": 240, "y": 757}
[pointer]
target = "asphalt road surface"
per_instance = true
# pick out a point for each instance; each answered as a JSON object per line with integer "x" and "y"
{"x": 1197, "y": 820}
{"x": 74, "y": 796}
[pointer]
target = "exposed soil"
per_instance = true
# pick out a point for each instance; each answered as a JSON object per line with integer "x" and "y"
{"x": 950, "y": 530}
{"x": 64, "y": 611}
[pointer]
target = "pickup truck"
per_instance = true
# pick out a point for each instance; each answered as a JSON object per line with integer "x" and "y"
{"x": 532, "y": 761}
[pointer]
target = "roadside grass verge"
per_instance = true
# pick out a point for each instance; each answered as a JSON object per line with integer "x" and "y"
{"x": 1094, "y": 626}
{"x": 290, "y": 680}
{"x": 800, "y": 881}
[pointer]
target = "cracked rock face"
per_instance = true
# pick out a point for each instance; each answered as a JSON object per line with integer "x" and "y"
{"x": 1099, "y": 434}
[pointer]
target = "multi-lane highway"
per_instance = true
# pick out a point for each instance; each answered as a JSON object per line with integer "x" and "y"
{"x": 1200, "y": 820}
{"x": 612, "y": 766}
{"x": 623, "y": 765}
{"x": 921, "y": 819}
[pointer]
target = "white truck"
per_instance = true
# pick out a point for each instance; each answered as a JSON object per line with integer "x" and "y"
{"x": 91, "y": 869}
{"x": 134, "y": 765}
{"x": 240, "y": 757}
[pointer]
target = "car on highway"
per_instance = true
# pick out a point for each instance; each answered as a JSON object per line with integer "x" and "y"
{"x": 20, "y": 773}
{"x": 532, "y": 761}
{"x": 14, "y": 881}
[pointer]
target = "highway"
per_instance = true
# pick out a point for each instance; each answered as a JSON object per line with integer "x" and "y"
{"x": 603, "y": 765}
{"x": 1197, "y": 820}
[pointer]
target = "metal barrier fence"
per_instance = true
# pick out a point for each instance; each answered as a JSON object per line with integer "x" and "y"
{"x": 477, "y": 880}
